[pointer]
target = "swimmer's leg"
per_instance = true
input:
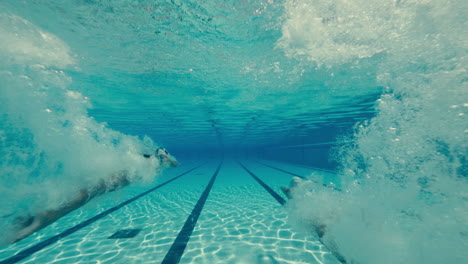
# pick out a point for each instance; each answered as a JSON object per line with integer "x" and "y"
{"x": 27, "y": 230}
{"x": 45, "y": 218}
{"x": 35, "y": 223}
{"x": 23, "y": 221}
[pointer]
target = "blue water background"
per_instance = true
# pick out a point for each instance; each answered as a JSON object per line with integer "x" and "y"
{"x": 375, "y": 90}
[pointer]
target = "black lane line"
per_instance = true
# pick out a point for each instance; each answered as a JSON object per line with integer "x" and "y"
{"x": 288, "y": 172}
{"x": 41, "y": 245}
{"x": 265, "y": 186}
{"x": 180, "y": 243}
{"x": 309, "y": 167}
{"x": 323, "y": 184}
{"x": 275, "y": 195}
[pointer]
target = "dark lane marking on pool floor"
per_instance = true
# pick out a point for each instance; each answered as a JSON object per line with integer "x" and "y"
{"x": 280, "y": 200}
{"x": 41, "y": 245}
{"x": 310, "y": 179}
{"x": 265, "y": 186}
{"x": 278, "y": 169}
{"x": 308, "y": 167}
{"x": 177, "y": 249}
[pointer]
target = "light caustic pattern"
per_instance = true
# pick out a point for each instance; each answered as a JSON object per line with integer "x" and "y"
{"x": 229, "y": 231}
{"x": 404, "y": 177}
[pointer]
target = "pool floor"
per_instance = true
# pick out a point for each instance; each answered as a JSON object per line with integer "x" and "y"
{"x": 215, "y": 213}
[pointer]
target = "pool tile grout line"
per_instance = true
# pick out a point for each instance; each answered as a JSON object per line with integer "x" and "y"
{"x": 265, "y": 186}
{"x": 177, "y": 249}
{"x": 41, "y": 245}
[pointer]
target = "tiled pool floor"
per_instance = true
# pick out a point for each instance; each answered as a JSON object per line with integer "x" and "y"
{"x": 239, "y": 222}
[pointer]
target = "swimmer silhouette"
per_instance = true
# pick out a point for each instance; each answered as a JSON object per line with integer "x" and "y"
{"x": 27, "y": 225}
{"x": 318, "y": 227}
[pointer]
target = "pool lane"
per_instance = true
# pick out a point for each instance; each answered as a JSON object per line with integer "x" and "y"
{"x": 178, "y": 247}
{"x": 329, "y": 248}
{"x": 241, "y": 223}
{"x": 274, "y": 194}
{"x": 32, "y": 248}
{"x": 238, "y": 221}
{"x": 160, "y": 217}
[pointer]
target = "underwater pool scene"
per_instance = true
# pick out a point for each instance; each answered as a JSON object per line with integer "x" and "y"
{"x": 237, "y": 131}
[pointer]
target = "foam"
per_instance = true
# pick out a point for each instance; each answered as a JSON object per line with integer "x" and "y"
{"x": 404, "y": 174}
{"x": 50, "y": 147}
{"x": 336, "y": 32}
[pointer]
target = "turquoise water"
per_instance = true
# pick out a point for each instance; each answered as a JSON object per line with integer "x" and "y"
{"x": 368, "y": 97}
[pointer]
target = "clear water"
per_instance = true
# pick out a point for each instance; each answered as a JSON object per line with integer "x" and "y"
{"x": 375, "y": 90}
